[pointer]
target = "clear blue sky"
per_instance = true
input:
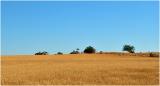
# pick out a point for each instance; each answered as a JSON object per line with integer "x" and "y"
{"x": 29, "y": 27}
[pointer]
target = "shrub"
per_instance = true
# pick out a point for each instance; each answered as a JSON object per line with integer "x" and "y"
{"x": 74, "y": 52}
{"x": 154, "y": 54}
{"x": 89, "y": 49}
{"x": 101, "y": 52}
{"x": 128, "y": 48}
{"x": 59, "y": 53}
{"x": 44, "y": 53}
{"x": 77, "y": 49}
{"x": 41, "y": 53}
{"x": 38, "y": 53}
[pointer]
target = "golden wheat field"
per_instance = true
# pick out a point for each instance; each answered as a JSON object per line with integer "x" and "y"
{"x": 79, "y": 69}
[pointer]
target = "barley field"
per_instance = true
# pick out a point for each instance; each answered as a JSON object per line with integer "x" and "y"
{"x": 79, "y": 69}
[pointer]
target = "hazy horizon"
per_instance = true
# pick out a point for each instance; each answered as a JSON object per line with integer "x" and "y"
{"x": 31, "y": 26}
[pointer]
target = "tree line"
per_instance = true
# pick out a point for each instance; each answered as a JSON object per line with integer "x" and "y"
{"x": 90, "y": 50}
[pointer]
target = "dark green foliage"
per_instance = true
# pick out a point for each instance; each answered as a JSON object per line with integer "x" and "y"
{"x": 89, "y": 49}
{"x": 77, "y": 49}
{"x": 101, "y": 52}
{"x": 74, "y": 52}
{"x": 59, "y": 53}
{"x": 128, "y": 48}
{"x": 42, "y": 53}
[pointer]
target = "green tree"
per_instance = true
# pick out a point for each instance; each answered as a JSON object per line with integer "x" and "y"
{"x": 89, "y": 49}
{"x": 59, "y": 53}
{"x": 75, "y": 51}
{"x": 41, "y": 53}
{"x": 129, "y": 48}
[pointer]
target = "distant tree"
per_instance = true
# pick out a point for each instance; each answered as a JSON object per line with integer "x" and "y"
{"x": 44, "y": 53}
{"x": 129, "y": 48}
{"x": 59, "y": 53}
{"x": 74, "y": 52}
{"x": 77, "y": 49}
{"x": 101, "y": 52}
{"x": 89, "y": 49}
{"x": 38, "y": 53}
{"x": 153, "y": 54}
{"x": 41, "y": 53}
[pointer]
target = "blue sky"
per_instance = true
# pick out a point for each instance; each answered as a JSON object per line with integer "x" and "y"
{"x": 29, "y": 27}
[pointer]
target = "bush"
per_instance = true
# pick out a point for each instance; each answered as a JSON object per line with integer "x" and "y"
{"x": 101, "y": 52}
{"x": 59, "y": 53}
{"x": 42, "y": 53}
{"x": 38, "y": 53}
{"x": 154, "y": 54}
{"x": 75, "y": 51}
{"x": 89, "y": 49}
{"x": 128, "y": 48}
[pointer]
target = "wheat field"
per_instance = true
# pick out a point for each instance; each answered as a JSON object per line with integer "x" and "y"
{"x": 79, "y": 69}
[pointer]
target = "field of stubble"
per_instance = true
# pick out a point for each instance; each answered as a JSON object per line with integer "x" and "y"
{"x": 88, "y": 69}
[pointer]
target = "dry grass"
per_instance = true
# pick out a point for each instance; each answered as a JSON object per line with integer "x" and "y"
{"x": 88, "y": 69}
